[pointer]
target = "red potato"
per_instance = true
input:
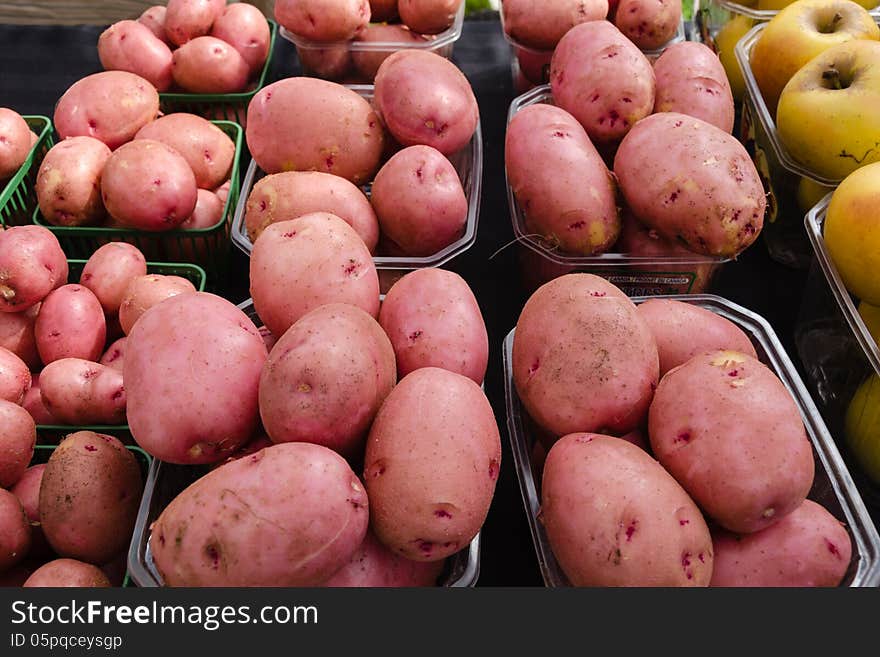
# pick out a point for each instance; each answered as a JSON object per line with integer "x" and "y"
{"x": 683, "y": 330}
{"x": 433, "y": 320}
{"x": 307, "y": 262}
{"x": 250, "y": 448}
{"x": 615, "y": 517}
{"x": 15, "y": 142}
{"x": 534, "y": 65}
{"x": 114, "y": 357}
{"x": 71, "y": 324}
{"x": 222, "y": 192}
{"x": 208, "y": 65}
{"x": 540, "y": 24}
{"x": 206, "y": 148}
{"x": 323, "y": 20}
{"x": 649, "y": 24}
{"x": 69, "y": 182}
{"x": 32, "y": 264}
{"x": 33, "y": 403}
{"x": 246, "y": 29}
{"x": 329, "y": 63}
{"x": 748, "y": 462}
{"x": 207, "y": 213}
{"x": 424, "y": 98}
{"x": 428, "y": 16}
{"x": 15, "y": 377}
{"x": 306, "y": 124}
{"x": 110, "y": 106}
{"x": 154, "y": 19}
{"x": 374, "y": 565}
{"x": 144, "y": 292}
{"x": 18, "y": 435}
{"x": 17, "y": 335}
{"x": 288, "y": 195}
{"x": 81, "y": 392}
{"x": 109, "y": 270}
{"x": 383, "y": 10}
{"x": 149, "y": 186}
{"x": 69, "y": 573}
{"x": 27, "y": 490}
{"x": 15, "y": 531}
{"x": 186, "y": 20}
{"x": 368, "y": 62}
{"x": 808, "y": 547}
{"x": 431, "y": 474}
{"x": 602, "y": 79}
{"x": 192, "y": 371}
{"x": 131, "y": 46}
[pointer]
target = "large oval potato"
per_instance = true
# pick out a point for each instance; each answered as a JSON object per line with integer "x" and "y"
{"x": 109, "y": 270}
{"x": 433, "y": 320}
{"x": 424, "y": 98}
{"x": 431, "y": 464}
{"x": 306, "y": 124}
{"x": 32, "y": 264}
{"x": 246, "y": 29}
{"x": 15, "y": 142}
{"x": 375, "y": 565}
{"x": 731, "y": 434}
{"x": 110, "y": 106}
{"x": 711, "y": 198}
{"x": 650, "y": 24}
{"x": 326, "y": 378}
{"x": 323, "y": 20}
{"x": 144, "y": 292}
{"x": 69, "y": 182}
{"x": 71, "y": 324}
{"x": 18, "y": 435}
{"x": 70, "y": 573}
{"x": 428, "y": 16}
{"x": 15, "y": 377}
{"x": 80, "y": 392}
{"x": 186, "y": 20}
{"x": 291, "y": 194}
{"x": 208, "y": 65}
{"x": 89, "y": 497}
{"x": 15, "y": 531}
{"x": 583, "y": 359}
{"x": 602, "y": 79}
{"x": 229, "y": 529}
{"x": 615, "y": 517}
{"x": 192, "y": 371}
{"x": 563, "y": 188}
{"x": 128, "y": 45}
{"x": 304, "y": 263}
{"x": 691, "y": 80}
{"x": 17, "y": 335}
{"x": 540, "y": 24}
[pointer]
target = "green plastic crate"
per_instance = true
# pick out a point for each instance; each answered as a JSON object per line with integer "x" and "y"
{"x": 19, "y": 198}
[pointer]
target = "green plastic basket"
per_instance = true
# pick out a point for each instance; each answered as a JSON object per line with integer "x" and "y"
{"x": 227, "y": 107}
{"x": 19, "y": 198}
{"x": 209, "y": 248}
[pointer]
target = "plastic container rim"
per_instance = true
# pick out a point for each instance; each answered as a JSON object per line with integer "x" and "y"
{"x": 763, "y": 14}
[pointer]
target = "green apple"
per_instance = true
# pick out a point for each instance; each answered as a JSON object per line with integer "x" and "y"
{"x": 798, "y": 33}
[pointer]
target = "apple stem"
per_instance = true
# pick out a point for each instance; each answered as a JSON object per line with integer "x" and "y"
{"x": 833, "y": 76}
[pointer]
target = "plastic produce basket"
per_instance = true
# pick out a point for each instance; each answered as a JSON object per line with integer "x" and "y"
{"x": 207, "y": 247}
{"x": 223, "y": 107}
{"x": 832, "y": 487}
{"x": 468, "y": 162}
{"x": 540, "y": 261}
{"x": 19, "y": 198}
{"x": 339, "y": 61}
{"x": 837, "y": 350}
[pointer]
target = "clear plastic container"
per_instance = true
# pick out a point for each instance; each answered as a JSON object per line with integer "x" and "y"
{"x": 355, "y": 62}
{"x": 832, "y": 487}
{"x": 835, "y": 347}
{"x": 540, "y": 262}
{"x": 468, "y": 162}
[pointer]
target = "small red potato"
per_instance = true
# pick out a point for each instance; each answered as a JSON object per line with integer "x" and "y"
{"x": 114, "y": 357}
{"x": 615, "y": 517}
{"x": 374, "y": 565}
{"x": 69, "y": 182}
{"x": 433, "y": 320}
{"x": 186, "y": 20}
{"x": 15, "y": 377}
{"x": 649, "y": 24}
{"x": 428, "y": 16}
{"x": 808, "y": 547}
{"x": 534, "y": 66}
{"x": 207, "y": 213}
{"x": 424, "y": 98}
{"x": 33, "y": 403}
{"x": 89, "y": 497}
{"x": 68, "y": 573}
{"x": 208, "y": 535}
{"x": 326, "y": 378}
{"x": 27, "y": 490}
{"x": 154, "y": 19}
{"x": 383, "y": 10}
{"x": 684, "y": 330}
{"x": 15, "y": 531}
{"x": 109, "y": 270}
{"x": 368, "y": 62}
{"x": 431, "y": 464}
{"x": 729, "y": 431}
{"x": 208, "y": 65}
{"x": 307, "y": 262}
{"x": 328, "y": 63}
{"x": 17, "y": 335}
{"x": 540, "y": 25}
{"x": 323, "y": 20}
{"x": 18, "y": 435}
{"x": 144, "y": 292}
{"x": 149, "y": 186}
{"x": 222, "y": 192}
{"x": 32, "y": 264}
{"x": 245, "y": 28}
{"x": 110, "y": 106}
{"x": 71, "y": 324}
{"x": 81, "y": 392}
{"x": 15, "y": 142}
{"x": 131, "y": 46}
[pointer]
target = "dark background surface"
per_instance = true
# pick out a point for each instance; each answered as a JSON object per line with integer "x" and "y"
{"x": 37, "y": 64}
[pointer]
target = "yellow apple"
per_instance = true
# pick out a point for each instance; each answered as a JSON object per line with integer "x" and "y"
{"x": 862, "y": 427}
{"x": 800, "y": 32}
{"x": 852, "y": 232}
{"x": 773, "y": 5}
{"x": 871, "y": 317}
{"x": 809, "y": 192}
{"x": 725, "y": 40}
